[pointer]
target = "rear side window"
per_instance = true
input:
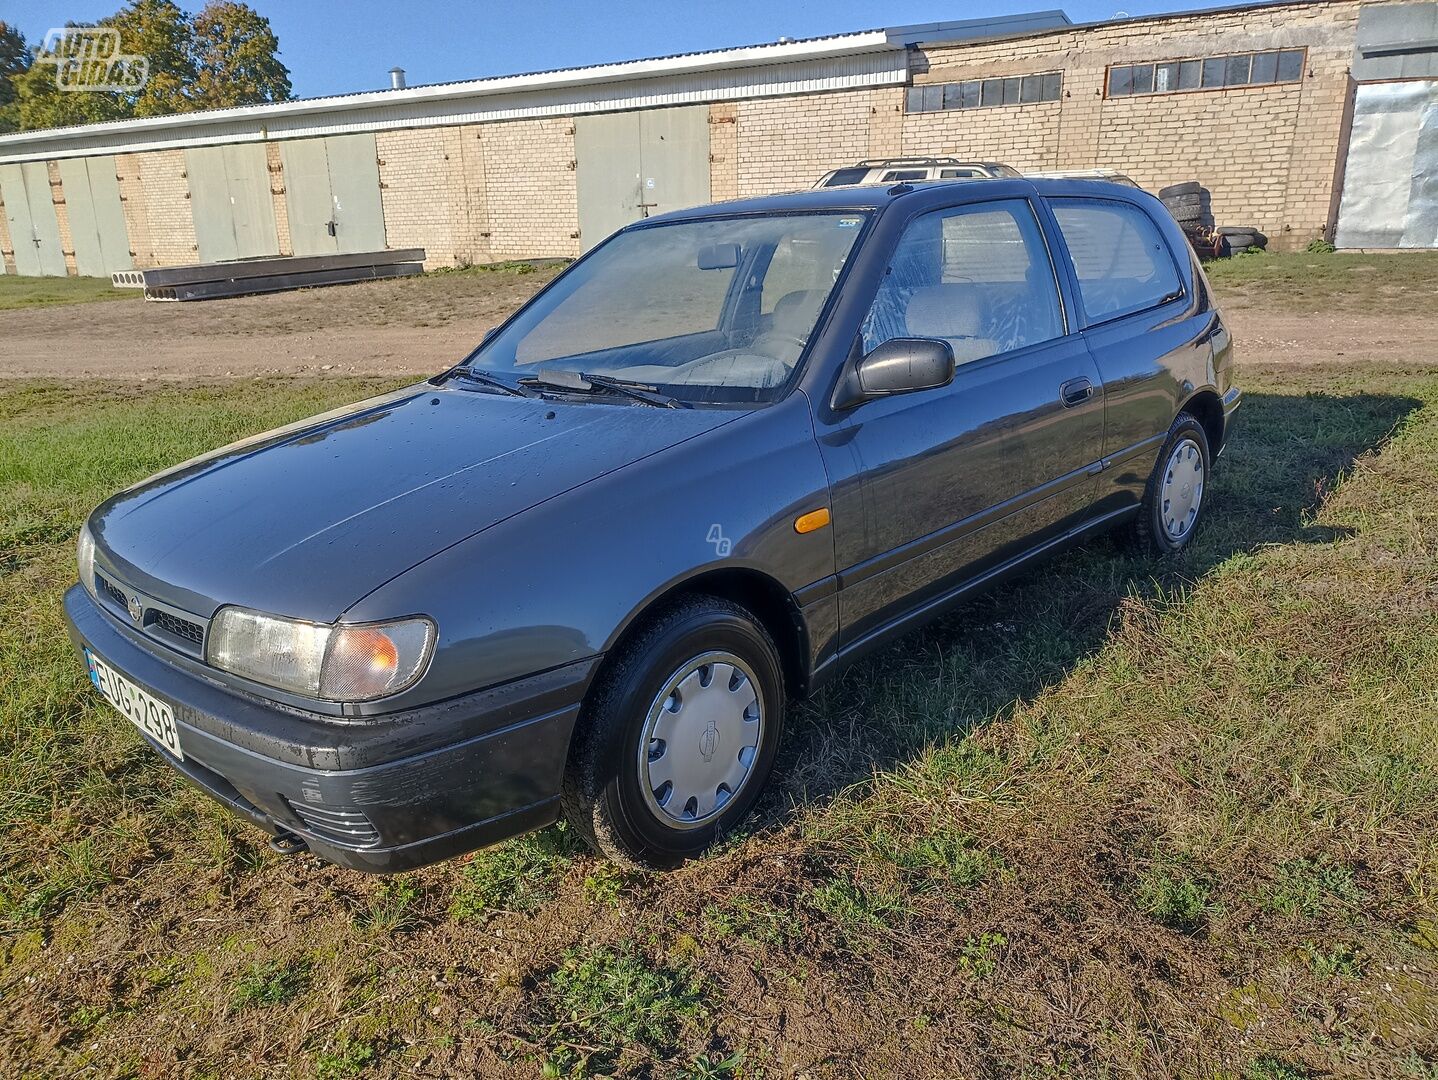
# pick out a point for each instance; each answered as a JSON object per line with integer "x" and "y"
{"x": 978, "y": 276}
{"x": 1122, "y": 261}
{"x": 844, "y": 177}
{"x": 905, "y": 174}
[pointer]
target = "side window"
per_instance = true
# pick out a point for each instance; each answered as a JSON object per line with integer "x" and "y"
{"x": 905, "y": 174}
{"x": 1122, "y": 261}
{"x": 977, "y": 276}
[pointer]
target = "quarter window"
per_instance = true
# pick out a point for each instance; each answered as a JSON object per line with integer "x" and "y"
{"x": 978, "y": 276}
{"x": 1121, "y": 260}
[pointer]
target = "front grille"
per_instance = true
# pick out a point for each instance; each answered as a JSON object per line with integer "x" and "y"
{"x": 180, "y": 628}
{"x": 156, "y": 622}
{"x": 343, "y": 825}
{"x": 113, "y": 591}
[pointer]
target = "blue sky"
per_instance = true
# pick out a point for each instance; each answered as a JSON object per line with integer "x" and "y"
{"x": 335, "y": 46}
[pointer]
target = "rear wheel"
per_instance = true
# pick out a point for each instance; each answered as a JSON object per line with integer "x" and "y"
{"x": 678, "y": 737}
{"x": 1173, "y": 500}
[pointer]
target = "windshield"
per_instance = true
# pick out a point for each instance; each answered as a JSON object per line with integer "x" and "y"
{"x": 704, "y": 311}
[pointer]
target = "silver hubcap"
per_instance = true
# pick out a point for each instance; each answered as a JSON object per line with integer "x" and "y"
{"x": 1182, "y": 492}
{"x": 700, "y": 740}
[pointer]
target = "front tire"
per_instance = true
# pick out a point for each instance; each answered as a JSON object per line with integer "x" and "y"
{"x": 678, "y": 736}
{"x": 1173, "y": 501}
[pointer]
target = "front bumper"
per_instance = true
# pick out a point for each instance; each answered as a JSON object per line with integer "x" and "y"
{"x": 378, "y": 795}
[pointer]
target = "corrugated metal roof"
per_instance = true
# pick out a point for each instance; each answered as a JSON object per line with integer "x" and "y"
{"x": 840, "y": 61}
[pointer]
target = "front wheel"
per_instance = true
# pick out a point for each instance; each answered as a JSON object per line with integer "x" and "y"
{"x": 678, "y": 736}
{"x": 1173, "y": 500}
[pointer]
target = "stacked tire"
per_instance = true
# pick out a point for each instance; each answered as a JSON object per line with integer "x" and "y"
{"x": 1238, "y": 239}
{"x": 1184, "y": 202}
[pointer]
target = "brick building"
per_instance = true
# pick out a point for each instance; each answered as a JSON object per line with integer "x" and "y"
{"x": 1273, "y": 108}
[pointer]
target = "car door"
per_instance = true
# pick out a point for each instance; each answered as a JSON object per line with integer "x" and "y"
{"x": 1140, "y": 326}
{"x": 957, "y": 481}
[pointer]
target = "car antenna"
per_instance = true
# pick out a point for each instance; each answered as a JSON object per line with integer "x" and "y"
{"x": 901, "y": 189}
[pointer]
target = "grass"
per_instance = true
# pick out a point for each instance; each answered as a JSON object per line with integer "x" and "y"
{"x": 1336, "y": 281}
{"x": 518, "y": 876}
{"x": 270, "y": 982}
{"x": 1119, "y": 817}
{"x": 601, "y": 1001}
{"x": 28, "y": 292}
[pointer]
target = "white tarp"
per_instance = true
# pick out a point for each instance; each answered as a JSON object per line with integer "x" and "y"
{"x": 1390, "y": 184}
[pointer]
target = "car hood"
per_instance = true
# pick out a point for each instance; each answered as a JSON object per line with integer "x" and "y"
{"x": 306, "y": 520}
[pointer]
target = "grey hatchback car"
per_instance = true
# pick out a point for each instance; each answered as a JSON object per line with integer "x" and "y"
{"x": 581, "y": 573}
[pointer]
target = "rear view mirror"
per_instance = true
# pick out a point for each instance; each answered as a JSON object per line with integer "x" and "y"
{"x": 898, "y": 366}
{"x": 718, "y": 256}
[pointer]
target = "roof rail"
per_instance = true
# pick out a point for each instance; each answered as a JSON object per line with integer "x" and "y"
{"x": 878, "y": 163}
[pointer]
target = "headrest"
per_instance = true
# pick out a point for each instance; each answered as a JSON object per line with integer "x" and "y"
{"x": 796, "y": 311}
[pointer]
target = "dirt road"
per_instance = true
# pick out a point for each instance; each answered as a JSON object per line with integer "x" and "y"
{"x": 420, "y": 326}
{"x": 416, "y": 325}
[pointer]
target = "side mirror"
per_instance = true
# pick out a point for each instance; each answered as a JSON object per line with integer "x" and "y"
{"x": 898, "y": 366}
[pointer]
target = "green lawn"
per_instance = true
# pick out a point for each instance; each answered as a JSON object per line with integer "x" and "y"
{"x": 27, "y": 292}
{"x": 1338, "y": 281}
{"x": 1121, "y": 817}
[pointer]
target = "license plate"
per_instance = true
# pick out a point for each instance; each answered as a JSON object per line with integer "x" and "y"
{"x": 147, "y": 712}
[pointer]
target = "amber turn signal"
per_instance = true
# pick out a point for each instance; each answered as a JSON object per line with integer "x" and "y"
{"x": 814, "y": 519}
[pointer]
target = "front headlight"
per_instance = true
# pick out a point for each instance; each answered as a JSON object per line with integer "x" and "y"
{"x": 85, "y": 558}
{"x": 336, "y": 663}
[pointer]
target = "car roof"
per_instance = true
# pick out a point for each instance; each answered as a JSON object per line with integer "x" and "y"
{"x": 880, "y": 196}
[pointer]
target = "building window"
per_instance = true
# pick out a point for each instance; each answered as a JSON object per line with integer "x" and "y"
{"x": 1212, "y": 73}
{"x": 986, "y": 93}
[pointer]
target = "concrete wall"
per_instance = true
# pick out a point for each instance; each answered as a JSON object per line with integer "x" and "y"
{"x": 484, "y": 192}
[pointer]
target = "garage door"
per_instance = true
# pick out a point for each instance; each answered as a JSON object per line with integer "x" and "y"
{"x": 97, "y": 220}
{"x": 30, "y": 212}
{"x": 1390, "y": 183}
{"x": 230, "y": 199}
{"x": 607, "y": 149}
{"x": 637, "y": 164}
{"x": 332, "y": 195}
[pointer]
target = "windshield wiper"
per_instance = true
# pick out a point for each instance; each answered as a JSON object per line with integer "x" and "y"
{"x": 579, "y": 380}
{"x": 484, "y": 378}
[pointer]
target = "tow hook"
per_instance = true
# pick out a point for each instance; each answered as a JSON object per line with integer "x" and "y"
{"x": 287, "y": 843}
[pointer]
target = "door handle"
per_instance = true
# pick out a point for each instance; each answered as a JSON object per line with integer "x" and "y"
{"x": 1075, "y": 392}
{"x": 330, "y": 226}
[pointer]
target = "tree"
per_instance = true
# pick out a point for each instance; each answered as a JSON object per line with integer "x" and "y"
{"x": 159, "y": 31}
{"x": 236, "y": 58}
{"x": 224, "y": 56}
{"x": 39, "y": 103}
{"x": 14, "y": 62}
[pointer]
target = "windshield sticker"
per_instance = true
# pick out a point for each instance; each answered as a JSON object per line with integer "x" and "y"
{"x": 849, "y": 222}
